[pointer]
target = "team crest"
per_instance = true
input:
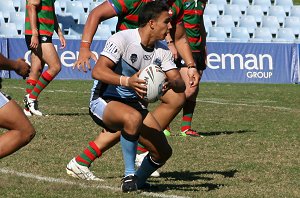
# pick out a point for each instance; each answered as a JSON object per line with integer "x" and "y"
{"x": 133, "y": 58}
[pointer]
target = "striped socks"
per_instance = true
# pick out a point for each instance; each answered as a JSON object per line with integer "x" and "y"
{"x": 89, "y": 155}
{"x": 43, "y": 81}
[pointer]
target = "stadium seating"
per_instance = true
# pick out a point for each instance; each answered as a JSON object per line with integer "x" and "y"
{"x": 264, "y": 4}
{"x": 212, "y": 11}
{"x": 216, "y": 34}
{"x": 103, "y": 32}
{"x": 74, "y": 7}
{"x": 239, "y": 34}
{"x": 82, "y": 18}
{"x": 207, "y": 21}
{"x": 9, "y": 30}
{"x": 293, "y": 23}
{"x": 112, "y": 23}
{"x": 286, "y": 4}
{"x": 93, "y": 5}
{"x": 285, "y": 35}
{"x": 2, "y": 21}
{"x": 220, "y": 4}
{"x": 233, "y": 10}
{"x": 278, "y": 12}
{"x": 249, "y": 22}
{"x": 6, "y": 7}
{"x": 18, "y": 18}
{"x": 272, "y": 23}
{"x": 76, "y": 31}
{"x": 243, "y": 4}
{"x": 295, "y": 11}
{"x": 256, "y": 11}
{"x": 67, "y": 20}
{"x": 262, "y": 35}
{"x": 225, "y": 21}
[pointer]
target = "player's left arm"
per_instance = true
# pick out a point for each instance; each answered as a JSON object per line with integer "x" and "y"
{"x": 59, "y": 33}
{"x": 175, "y": 81}
{"x": 183, "y": 47}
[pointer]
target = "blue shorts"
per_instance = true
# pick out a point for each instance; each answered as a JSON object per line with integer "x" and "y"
{"x": 4, "y": 99}
{"x": 98, "y": 106}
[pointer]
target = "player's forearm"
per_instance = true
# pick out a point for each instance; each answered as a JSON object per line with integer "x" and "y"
{"x": 7, "y": 64}
{"x": 183, "y": 46}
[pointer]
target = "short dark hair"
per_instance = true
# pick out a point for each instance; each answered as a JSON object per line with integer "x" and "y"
{"x": 151, "y": 10}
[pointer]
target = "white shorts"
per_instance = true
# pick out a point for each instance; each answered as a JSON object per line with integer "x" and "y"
{"x": 4, "y": 99}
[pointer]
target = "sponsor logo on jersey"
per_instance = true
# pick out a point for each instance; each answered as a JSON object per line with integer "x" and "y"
{"x": 147, "y": 56}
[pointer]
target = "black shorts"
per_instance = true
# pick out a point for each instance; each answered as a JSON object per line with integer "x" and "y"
{"x": 136, "y": 104}
{"x": 199, "y": 58}
{"x": 42, "y": 39}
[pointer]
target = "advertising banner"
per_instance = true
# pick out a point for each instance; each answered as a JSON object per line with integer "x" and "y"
{"x": 227, "y": 62}
{"x": 3, "y": 51}
{"x": 67, "y": 56}
{"x": 250, "y": 62}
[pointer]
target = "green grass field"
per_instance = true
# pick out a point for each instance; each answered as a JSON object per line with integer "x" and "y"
{"x": 250, "y": 149}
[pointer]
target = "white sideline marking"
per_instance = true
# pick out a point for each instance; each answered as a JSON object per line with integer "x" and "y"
{"x": 216, "y": 101}
{"x": 63, "y": 181}
{"x": 249, "y": 105}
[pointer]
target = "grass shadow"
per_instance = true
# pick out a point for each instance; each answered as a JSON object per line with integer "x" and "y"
{"x": 215, "y": 133}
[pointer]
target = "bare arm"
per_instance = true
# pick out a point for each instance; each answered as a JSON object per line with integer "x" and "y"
{"x": 175, "y": 81}
{"x": 19, "y": 65}
{"x": 183, "y": 47}
{"x": 32, "y": 13}
{"x": 59, "y": 33}
{"x": 97, "y": 15}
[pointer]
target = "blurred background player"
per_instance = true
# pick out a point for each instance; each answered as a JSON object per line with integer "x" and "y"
{"x": 196, "y": 33}
{"x": 127, "y": 12}
{"x": 40, "y": 23}
{"x": 19, "y": 129}
{"x": 116, "y": 104}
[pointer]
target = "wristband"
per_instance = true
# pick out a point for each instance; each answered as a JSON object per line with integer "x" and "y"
{"x": 121, "y": 80}
{"x": 85, "y": 41}
{"x": 193, "y": 66}
{"x": 127, "y": 83}
{"x": 85, "y": 44}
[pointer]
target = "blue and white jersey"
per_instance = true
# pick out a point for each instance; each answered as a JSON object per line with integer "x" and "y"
{"x": 125, "y": 50}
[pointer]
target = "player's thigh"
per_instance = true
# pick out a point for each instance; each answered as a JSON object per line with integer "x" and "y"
{"x": 117, "y": 114}
{"x": 50, "y": 55}
{"x": 173, "y": 99}
{"x": 12, "y": 117}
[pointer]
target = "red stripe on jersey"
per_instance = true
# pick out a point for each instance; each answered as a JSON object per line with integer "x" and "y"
{"x": 194, "y": 40}
{"x": 46, "y": 21}
{"x": 124, "y": 7}
{"x": 45, "y": 32}
{"x": 132, "y": 17}
{"x": 122, "y": 27}
{"x": 191, "y": 26}
{"x": 193, "y": 12}
{"x": 41, "y": 32}
{"x": 47, "y": 8}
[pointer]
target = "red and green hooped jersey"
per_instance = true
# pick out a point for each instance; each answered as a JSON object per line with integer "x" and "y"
{"x": 193, "y": 18}
{"x": 128, "y": 10}
{"x": 46, "y": 16}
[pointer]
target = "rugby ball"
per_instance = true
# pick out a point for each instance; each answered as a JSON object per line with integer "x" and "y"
{"x": 155, "y": 78}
